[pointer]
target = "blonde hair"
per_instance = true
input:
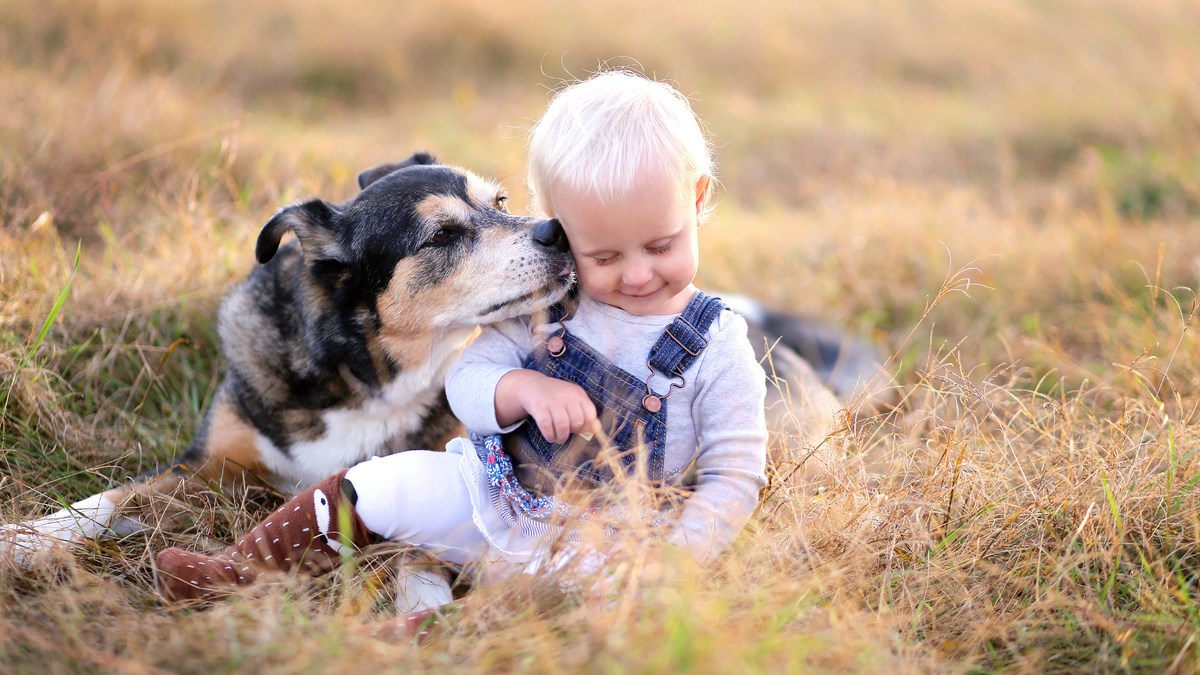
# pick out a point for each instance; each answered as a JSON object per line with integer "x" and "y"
{"x": 603, "y": 133}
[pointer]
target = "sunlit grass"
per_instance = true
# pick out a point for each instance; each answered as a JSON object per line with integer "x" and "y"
{"x": 1002, "y": 195}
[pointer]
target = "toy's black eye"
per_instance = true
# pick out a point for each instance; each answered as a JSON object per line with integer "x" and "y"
{"x": 502, "y": 203}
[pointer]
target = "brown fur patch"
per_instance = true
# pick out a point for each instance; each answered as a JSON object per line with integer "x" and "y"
{"x": 440, "y": 207}
{"x": 229, "y": 446}
{"x": 406, "y": 319}
{"x": 481, "y": 191}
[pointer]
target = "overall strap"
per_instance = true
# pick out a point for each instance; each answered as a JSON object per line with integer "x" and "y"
{"x": 683, "y": 340}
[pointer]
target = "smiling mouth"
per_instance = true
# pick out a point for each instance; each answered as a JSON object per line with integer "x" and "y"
{"x": 643, "y": 295}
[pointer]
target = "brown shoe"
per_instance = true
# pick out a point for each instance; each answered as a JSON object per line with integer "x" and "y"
{"x": 305, "y": 533}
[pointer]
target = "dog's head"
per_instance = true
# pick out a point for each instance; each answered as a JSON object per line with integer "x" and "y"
{"x": 424, "y": 248}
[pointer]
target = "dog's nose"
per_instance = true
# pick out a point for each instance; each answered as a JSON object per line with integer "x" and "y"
{"x": 549, "y": 233}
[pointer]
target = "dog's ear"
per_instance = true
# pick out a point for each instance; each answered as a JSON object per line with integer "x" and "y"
{"x": 375, "y": 173}
{"x": 313, "y": 224}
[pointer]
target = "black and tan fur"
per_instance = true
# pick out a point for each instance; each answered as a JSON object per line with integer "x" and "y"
{"x": 337, "y": 344}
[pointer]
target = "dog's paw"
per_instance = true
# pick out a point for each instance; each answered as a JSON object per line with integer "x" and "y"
{"x": 23, "y": 545}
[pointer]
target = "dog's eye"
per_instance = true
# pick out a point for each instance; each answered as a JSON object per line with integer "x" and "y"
{"x": 502, "y": 203}
{"x": 440, "y": 236}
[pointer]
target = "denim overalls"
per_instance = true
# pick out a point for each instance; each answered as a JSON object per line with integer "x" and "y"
{"x": 527, "y": 469}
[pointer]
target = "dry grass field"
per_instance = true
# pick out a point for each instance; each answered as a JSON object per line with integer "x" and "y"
{"x": 1004, "y": 195}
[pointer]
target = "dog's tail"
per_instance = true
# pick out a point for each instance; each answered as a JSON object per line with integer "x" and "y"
{"x": 850, "y": 366}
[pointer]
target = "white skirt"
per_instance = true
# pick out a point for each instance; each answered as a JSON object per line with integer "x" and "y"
{"x": 524, "y": 533}
{"x": 518, "y": 538}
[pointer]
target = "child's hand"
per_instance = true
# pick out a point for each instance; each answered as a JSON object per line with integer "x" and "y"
{"x": 558, "y": 407}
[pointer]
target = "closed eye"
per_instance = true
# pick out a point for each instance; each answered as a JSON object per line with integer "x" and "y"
{"x": 659, "y": 250}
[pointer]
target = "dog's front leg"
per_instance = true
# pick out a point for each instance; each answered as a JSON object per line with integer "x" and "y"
{"x": 100, "y": 516}
{"x": 223, "y": 452}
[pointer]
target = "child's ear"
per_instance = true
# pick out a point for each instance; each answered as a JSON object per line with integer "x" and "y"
{"x": 703, "y": 187}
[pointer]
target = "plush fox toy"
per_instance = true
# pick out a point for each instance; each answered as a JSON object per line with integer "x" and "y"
{"x": 305, "y": 533}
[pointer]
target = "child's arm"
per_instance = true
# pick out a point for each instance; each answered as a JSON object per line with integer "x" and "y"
{"x": 731, "y": 425}
{"x": 471, "y": 382}
{"x": 491, "y": 394}
{"x": 558, "y": 407}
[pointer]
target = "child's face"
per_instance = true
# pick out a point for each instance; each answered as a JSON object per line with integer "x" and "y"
{"x": 641, "y": 254}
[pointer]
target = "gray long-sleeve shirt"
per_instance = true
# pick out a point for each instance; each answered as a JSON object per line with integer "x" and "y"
{"x": 717, "y": 419}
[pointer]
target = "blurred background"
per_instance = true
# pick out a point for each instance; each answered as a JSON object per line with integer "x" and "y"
{"x": 1038, "y": 106}
{"x": 126, "y": 118}
{"x": 802, "y": 98}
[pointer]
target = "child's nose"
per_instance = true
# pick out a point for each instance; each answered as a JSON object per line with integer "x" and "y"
{"x": 637, "y": 274}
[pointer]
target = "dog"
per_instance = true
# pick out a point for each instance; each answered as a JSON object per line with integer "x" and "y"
{"x": 337, "y": 344}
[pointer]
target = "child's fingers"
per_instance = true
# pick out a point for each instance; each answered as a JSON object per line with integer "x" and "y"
{"x": 577, "y": 407}
{"x": 560, "y": 424}
{"x": 591, "y": 418}
{"x": 584, "y": 420}
{"x": 577, "y": 417}
{"x": 554, "y": 423}
{"x": 545, "y": 424}
{"x": 547, "y": 427}
{"x": 572, "y": 411}
{"x": 593, "y": 425}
